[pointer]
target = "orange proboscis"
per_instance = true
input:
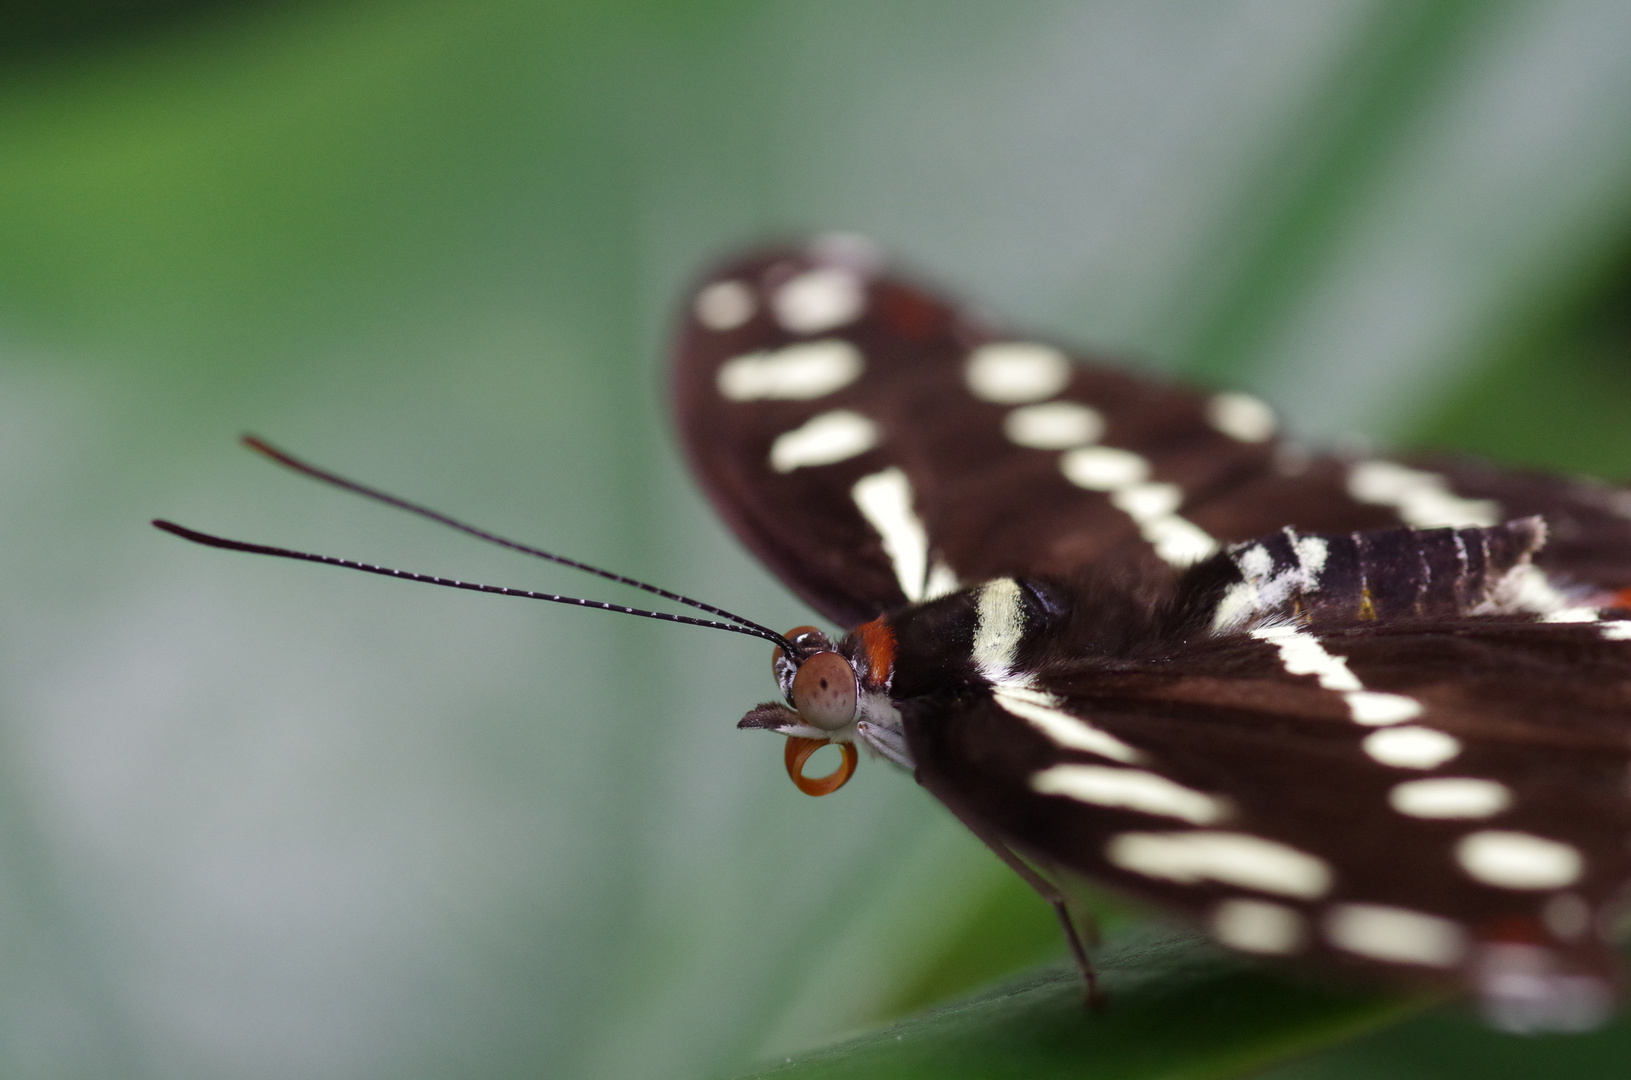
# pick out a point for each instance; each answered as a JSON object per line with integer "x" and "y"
{"x": 798, "y": 752}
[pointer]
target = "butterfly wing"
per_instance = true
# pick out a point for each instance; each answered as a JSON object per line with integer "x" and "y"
{"x": 1479, "y": 833}
{"x": 875, "y": 444}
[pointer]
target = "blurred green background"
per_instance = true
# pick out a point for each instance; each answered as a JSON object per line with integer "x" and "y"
{"x": 262, "y": 820}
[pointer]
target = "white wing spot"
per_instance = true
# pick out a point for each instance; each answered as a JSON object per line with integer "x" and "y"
{"x": 1395, "y": 935}
{"x": 943, "y": 581}
{"x": 885, "y": 500}
{"x": 1516, "y": 860}
{"x": 1572, "y": 615}
{"x": 1374, "y": 708}
{"x": 1130, "y": 789}
{"x": 1016, "y": 372}
{"x": 819, "y": 300}
{"x": 1411, "y": 747}
{"x": 1615, "y": 630}
{"x": 1422, "y": 500}
{"x": 1302, "y": 654}
{"x": 1240, "y": 859}
{"x": 826, "y": 439}
{"x": 1241, "y": 417}
{"x": 1124, "y": 475}
{"x": 1450, "y": 797}
{"x": 1104, "y": 468}
{"x": 802, "y": 372}
{"x": 1147, "y": 502}
{"x": 1258, "y": 926}
{"x": 1042, "y": 711}
{"x": 1053, "y": 425}
{"x": 998, "y": 629}
{"x": 725, "y": 305}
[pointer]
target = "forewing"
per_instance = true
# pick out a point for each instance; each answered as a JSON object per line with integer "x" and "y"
{"x": 1443, "y": 801}
{"x": 874, "y": 443}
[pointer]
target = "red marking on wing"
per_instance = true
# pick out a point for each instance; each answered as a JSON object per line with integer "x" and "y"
{"x": 1515, "y": 930}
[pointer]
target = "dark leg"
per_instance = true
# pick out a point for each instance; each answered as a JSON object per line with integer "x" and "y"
{"x": 1049, "y": 892}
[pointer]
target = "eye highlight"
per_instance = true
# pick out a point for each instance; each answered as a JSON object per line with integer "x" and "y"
{"x": 824, "y": 691}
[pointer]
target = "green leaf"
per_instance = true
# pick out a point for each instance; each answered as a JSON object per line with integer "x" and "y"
{"x": 1176, "y": 1008}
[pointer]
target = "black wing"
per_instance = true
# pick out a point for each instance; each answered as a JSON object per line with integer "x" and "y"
{"x": 874, "y": 443}
{"x": 1374, "y": 776}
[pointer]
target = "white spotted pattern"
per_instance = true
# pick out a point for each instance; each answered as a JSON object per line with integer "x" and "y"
{"x": 1053, "y": 425}
{"x": 1572, "y": 615}
{"x": 885, "y": 500}
{"x": 802, "y": 372}
{"x": 1422, "y": 500}
{"x": 1374, "y": 708}
{"x": 943, "y": 581}
{"x": 819, "y": 300}
{"x": 1042, "y": 711}
{"x": 1258, "y": 926}
{"x": 1104, "y": 468}
{"x": 1239, "y": 859}
{"x": 1241, "y": 417}
{"x": 1130, "y": 789}
{"x": 725, "y": 305}
{"x": 1411, "y": 747}
{"x": 1516, "y": 860}
{"x": 1016, "y": 372}
{"x": 1124, "y": 475}
{"x": 1450, "y": 797}
{"x": 1615, "y": 630}
{"x": 824, "y": 439}
{"x": 1395, "y": 935}
{"x": 1301, "y": 653}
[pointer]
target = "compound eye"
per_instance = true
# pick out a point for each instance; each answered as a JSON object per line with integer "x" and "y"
{"x": 824, "y": 691}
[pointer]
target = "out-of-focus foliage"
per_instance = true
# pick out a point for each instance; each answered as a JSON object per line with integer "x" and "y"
{"x": 266, "y": 820}
{"x": 1176, "y": 1008}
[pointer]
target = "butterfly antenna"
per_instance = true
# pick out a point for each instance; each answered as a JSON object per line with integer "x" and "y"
{"x": 289, "y": 461}
{"x": 740, "y": 626}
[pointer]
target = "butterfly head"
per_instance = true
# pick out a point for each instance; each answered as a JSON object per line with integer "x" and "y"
{"x": 836, "y": 693}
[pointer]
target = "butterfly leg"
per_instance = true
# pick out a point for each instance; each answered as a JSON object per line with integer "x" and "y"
{"x": 1048, "y": 891}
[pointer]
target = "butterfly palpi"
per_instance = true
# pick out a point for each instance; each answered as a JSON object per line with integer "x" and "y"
{"x": 1345, "y": 710}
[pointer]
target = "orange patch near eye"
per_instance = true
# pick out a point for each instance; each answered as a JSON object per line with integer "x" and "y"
{"x": 878, "y": 638}
{"x": 798, "y": 752}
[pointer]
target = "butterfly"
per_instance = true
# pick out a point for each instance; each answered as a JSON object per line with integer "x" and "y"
{"x": 1337, "y": 709}
{"x": 1340, "y": 710}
